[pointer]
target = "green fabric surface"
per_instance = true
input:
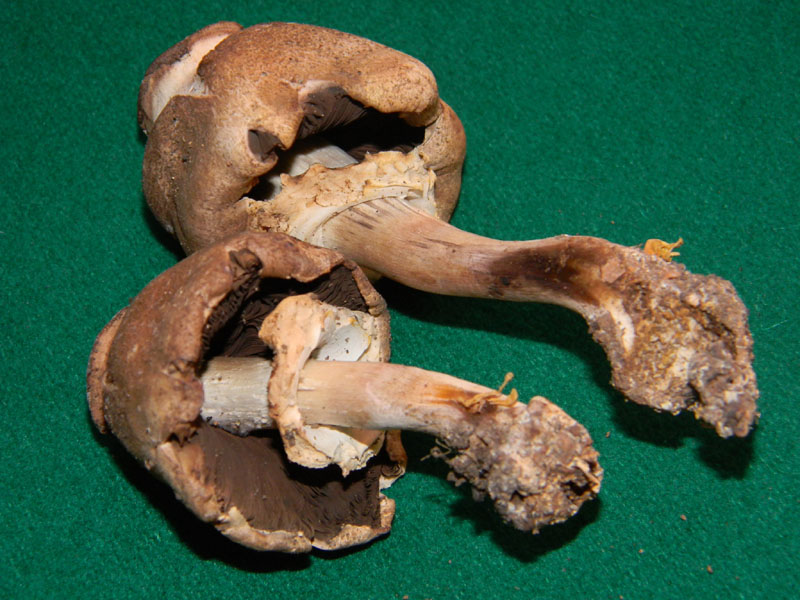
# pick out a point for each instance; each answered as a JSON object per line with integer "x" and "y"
{"x": 626, "y": 121}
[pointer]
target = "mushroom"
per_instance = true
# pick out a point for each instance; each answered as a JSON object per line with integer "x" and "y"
{"x": 344, "y": 143}
{"x": 251, "y": 377}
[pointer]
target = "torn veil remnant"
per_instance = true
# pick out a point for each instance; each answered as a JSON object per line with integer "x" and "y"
{"x": 262, "y": 332}
{"x": 345, "y": 143}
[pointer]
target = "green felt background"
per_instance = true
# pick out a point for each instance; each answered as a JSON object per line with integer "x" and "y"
{"x": 622, "y": 120}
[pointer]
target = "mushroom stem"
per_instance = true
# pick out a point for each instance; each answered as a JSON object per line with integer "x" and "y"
{"x": 363, "y": 395}
{"x": 419, "y": 250}
{"x": 675, "y": 340}
{"x": 535, "y": 462}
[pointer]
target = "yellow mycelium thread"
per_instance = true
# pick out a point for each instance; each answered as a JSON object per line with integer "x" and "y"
{"x": 477, "y": 402}
{"x": 661, "y": 249}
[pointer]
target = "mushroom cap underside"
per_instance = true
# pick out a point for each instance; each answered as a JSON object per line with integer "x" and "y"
{"x": 143, "y": 386}
{"x": 220, "y": 106}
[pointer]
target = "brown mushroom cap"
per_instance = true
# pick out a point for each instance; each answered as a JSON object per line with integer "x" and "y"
{"x": 143, "y": 385}
{"x": 219, "y": 105}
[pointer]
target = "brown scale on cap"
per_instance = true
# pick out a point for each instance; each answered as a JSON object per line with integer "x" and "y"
{"x": 262, "y": 332}
{"x": 344, "y": 143}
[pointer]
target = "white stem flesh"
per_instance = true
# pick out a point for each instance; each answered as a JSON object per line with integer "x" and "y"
{"x": 360, "y": 395}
